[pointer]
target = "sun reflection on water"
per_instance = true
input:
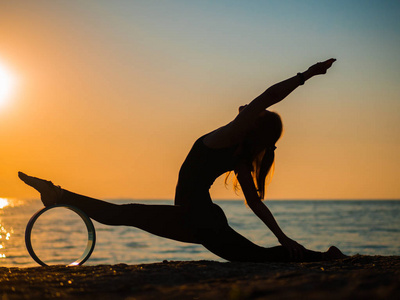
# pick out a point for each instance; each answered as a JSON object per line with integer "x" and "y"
{"x": 5, "y": 235}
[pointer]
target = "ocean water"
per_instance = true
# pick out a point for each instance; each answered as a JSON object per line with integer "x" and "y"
{"x": 59, "y": 236}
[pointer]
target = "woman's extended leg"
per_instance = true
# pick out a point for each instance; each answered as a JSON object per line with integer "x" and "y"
{"x": 163, "y": 220}
{"x": 167, "y": 221}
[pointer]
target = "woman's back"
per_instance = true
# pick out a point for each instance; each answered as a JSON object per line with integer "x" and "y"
{"x": 200, "y": 169}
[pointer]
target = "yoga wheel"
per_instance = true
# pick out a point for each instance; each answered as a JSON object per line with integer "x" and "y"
{"x": 89, "y": 226}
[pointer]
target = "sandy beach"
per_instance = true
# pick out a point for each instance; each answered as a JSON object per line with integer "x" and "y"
{"x": 356, "y": 277}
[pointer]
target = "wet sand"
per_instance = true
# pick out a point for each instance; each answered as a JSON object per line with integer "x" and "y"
{"x": 356, "y": 277}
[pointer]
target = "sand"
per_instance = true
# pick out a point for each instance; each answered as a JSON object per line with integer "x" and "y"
{"x": 356, "y": 277}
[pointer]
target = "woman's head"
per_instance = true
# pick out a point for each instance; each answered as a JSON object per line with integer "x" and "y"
{"x": 259, "y": 145}
{"x": 266, "y": 132}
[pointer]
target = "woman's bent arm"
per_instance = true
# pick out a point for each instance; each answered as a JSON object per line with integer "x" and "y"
{"x": 255, "y": 203}
{"x": 261, "y": 210}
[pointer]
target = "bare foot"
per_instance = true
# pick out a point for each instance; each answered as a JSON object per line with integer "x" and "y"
{"x": 49, "y": 193}
{"x": 334, "y": 253}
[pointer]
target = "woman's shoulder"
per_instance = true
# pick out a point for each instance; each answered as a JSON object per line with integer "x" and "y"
{"x": 223, "y": 137}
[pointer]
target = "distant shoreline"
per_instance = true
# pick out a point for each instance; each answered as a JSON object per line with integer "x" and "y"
{"x": 237, "y": 200}
{"x": 266, "y": 200}
{"x": 356, "y": 277}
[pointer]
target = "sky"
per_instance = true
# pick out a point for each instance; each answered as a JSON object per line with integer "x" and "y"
{"x": 109, "y": 96}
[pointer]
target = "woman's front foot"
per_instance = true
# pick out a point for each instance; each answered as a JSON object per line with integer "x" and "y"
{"x": 334, "y": 253}
{"x": 49, "y": 193}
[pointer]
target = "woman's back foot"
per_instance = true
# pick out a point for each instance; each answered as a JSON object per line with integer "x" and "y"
{"x": 49, "y": 193}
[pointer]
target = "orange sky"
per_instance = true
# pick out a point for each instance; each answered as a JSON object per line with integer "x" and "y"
{"x": 111, "y": 95}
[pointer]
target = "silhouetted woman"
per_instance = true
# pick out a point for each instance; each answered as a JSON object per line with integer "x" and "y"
{"x": 245, "y": 146}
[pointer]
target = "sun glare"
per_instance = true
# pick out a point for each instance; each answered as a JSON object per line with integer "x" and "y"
{"x": 7, "y": 84}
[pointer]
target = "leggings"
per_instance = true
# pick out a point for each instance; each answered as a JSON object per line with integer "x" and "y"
{"x": 176, "y": 222}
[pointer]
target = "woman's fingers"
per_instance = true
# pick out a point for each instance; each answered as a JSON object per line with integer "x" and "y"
{"x": 322, "y": 67}
{"x": 296, "y": 251}
{"x": 299, "y": 251}
{"x": 328, "y": 63}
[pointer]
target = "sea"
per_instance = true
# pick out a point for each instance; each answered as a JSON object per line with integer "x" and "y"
{"x": 59, "y": 236}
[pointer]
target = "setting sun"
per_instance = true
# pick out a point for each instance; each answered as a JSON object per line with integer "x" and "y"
{"x": 7, "y": 84}
{"x": 3, "y": 203}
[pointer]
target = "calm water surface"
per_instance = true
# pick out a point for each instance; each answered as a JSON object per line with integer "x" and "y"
{"x": 59, "y": 236}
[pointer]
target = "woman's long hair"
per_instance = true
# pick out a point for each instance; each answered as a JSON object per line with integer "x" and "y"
{"x": 258, "y": 150}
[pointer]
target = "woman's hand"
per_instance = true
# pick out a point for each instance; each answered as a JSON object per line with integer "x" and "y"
{"x": 321, "y": 67}
{"x": 296, "y": 250}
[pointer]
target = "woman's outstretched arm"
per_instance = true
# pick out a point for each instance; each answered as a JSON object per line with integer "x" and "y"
{"x": 234, "y": 132}
{"x": 278, "y": 92}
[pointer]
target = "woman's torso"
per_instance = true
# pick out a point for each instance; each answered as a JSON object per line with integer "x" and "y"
{"x": 200, "y": 169}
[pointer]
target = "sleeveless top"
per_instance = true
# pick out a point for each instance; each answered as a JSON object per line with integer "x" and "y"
{"x": 199, "y": 170}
